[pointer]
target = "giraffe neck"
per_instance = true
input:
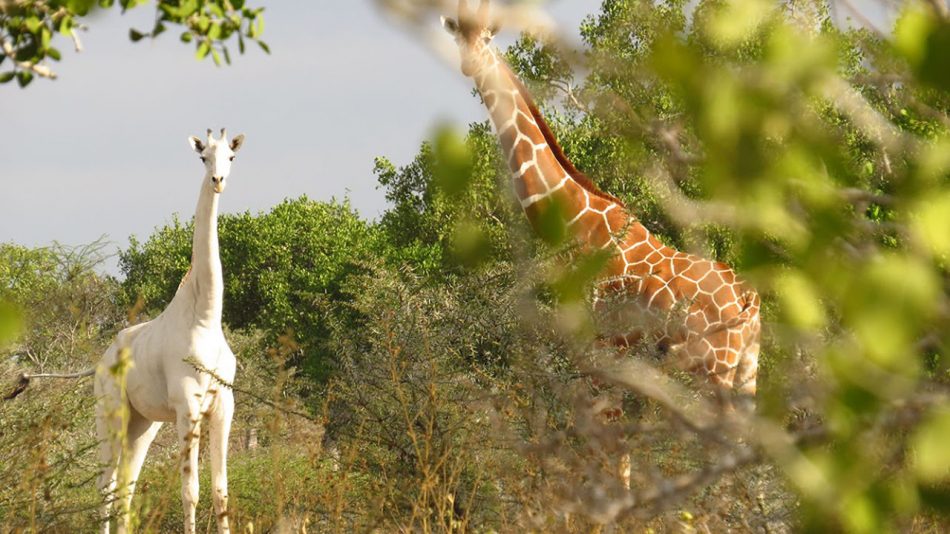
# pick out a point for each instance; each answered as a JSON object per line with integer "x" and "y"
{"x": 202, "y": 291}
{"x": 541, "y": 173}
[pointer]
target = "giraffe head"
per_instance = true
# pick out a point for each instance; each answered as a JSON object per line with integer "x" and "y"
{"x": 473, "y": 31}
{"x": 217, "y": 155}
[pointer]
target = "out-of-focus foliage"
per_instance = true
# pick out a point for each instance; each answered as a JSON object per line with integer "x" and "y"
{"x": 28, "y": 29}
{"x": 815, "y": 159}
{"x": 280, "y": 268}
{"x": 61, "y": 308}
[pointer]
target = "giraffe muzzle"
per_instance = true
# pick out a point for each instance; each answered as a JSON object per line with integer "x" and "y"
{"x": 218, "y": 183}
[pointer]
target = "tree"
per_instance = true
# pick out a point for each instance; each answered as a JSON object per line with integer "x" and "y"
{"x": 451, "y": 207}
{"x": 280, "y": 269}
{"x": 67, "y": 309}
{"x": 28, "y": 28}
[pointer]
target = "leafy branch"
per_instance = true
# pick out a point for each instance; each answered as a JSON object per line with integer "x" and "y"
{"x": 28, "y": 28}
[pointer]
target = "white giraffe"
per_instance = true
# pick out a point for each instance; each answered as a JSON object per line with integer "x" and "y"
{"x": 163, "y": 384}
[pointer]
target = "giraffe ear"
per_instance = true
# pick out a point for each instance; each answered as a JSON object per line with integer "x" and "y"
{"x": 450, "y": 25}
{"x": 196, "y": 144}
{"x": 494, "y": 29}
{"x": 237, "y": 143}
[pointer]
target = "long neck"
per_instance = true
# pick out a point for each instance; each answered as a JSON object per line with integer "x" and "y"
{"x": 541, "y": 174}
{"x": 203, "y": 289}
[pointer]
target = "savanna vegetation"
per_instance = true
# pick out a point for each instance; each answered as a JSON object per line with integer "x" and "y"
{"x": 430, "y": 370}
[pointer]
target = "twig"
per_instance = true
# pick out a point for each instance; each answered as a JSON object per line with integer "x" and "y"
{"x": 939, "y": 7}
{"x": 850, "y": 102}
{"x": 39, "y": 70}
{"x": 853, "y": 194}
{"x": 866, "y": 22}
{"x": 200, "y": 368}
{"x": 686, "y": 484}
{"x": 643, "y": 379}
{"x": 75, "y": 37}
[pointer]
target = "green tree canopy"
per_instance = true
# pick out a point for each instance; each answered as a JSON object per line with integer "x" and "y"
{"x": 279, "y": 268}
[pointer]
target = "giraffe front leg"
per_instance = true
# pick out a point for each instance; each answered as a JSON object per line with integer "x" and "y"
{"x": 189, "y": 430}
{"x": 218, "y": 436}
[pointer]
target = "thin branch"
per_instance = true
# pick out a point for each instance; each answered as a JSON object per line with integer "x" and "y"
{"x": 866, "y": 22}
{"x": 39, "y": 70}
{"x": 940, "y": 8}
{"x": 852, "y": 194}
{"x": 200, "y": 368}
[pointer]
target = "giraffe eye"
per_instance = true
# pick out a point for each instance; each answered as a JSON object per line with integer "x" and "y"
{"x": 232, "y": 158}
{"x": 204, "y": 159}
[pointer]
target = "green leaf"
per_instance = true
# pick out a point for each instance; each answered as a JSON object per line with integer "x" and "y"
{"x": 550, "y": 223}
{"x": 931, "y": 221}
{"x": 801, "y": 306}
{"x": 935, "y": 68}
{"x": 910, "y": 34}
{"x": 135, "y": 35}
{"x": 32, "y": 24}
{"x": 203, "y": 50}
{"x": 929, "y": 445}
{"x": 66, "y": 26}
{"x": 54, "y": 54}
{"x": 470, "y": 245}
{"x": 7, "y": 76}
{"x": 216, "y": 57}
{"x": 454, "y": 163}
{"x": 575, "y": 282}
{"x": 258, "y": 25}
{"x": 186, "y": 37}
{"x": 203, "y": 23}
{"x": 936, "y": 497}
{"x": 264, "y": 46}
{"x": 24, "y": 78}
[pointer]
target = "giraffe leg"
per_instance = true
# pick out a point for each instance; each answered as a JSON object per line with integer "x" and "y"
{"x": 141, "y": 433}
{"x": 109, "y": 432}
{"x": 623, "y": 470}
{"x": 189, "y": 430}
{"x": 110, "y": 445}
{"x": 218, "y": 435}
{"x": 748, "y": 370}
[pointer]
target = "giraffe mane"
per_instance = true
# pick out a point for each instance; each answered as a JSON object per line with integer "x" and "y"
{"x": 582, "y": 179}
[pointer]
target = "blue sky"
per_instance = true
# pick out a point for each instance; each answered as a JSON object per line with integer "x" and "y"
{"x": 103, "y": 151}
